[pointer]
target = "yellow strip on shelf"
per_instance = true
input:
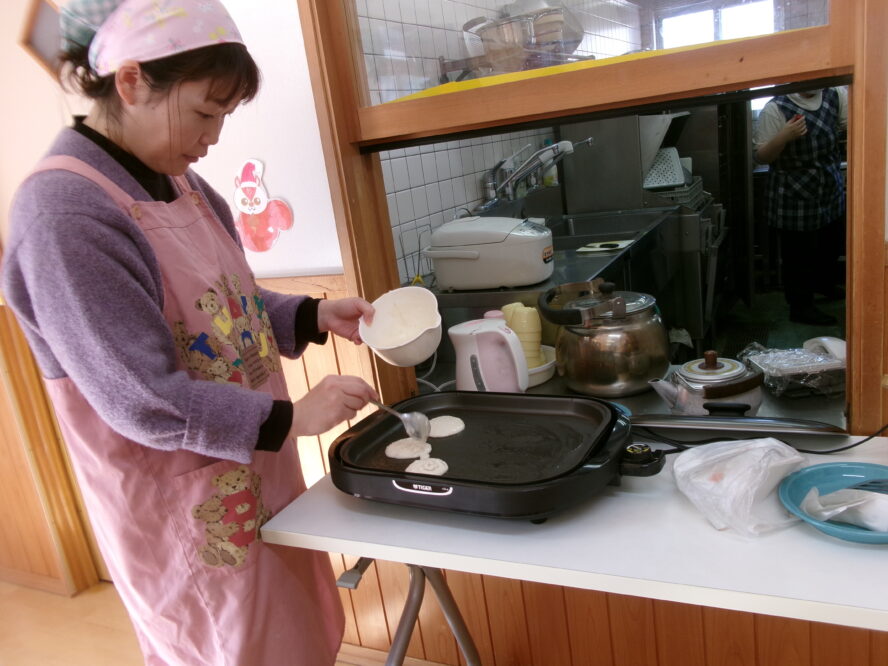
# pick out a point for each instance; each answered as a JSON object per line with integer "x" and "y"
{"x": 511, "y": 77}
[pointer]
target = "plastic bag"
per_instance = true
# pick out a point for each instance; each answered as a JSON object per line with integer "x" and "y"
{"x": 855, "y": 507}
{"x": 733, "y": 483}
{"x": 796, "y": 372}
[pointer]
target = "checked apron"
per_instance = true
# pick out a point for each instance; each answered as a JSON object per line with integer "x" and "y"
{"x": 179, "y": 530}
{"x": 805, "y": 189}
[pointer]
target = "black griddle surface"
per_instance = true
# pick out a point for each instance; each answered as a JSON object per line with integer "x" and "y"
{"x": 508, "y": 438}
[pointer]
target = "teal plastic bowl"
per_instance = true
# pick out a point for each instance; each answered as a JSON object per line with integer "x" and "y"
{"x": 828, "y": 478}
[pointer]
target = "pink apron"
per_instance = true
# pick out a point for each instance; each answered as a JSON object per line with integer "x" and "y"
{"x": 180, "y": 531}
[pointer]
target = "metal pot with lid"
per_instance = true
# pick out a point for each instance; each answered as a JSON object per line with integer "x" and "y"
{"x": 611, "y": 343}
{"x": 712, "y": 385}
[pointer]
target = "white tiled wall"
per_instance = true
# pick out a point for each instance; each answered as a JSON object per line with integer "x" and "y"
{"x": 611, "y": 27}
{"x": 429, "y": 185}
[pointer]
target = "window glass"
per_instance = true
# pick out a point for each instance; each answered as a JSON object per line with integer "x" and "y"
{"x": 687, "y": 29}
{"x": 754, "y": 18}
{"x": 412, "y": 46}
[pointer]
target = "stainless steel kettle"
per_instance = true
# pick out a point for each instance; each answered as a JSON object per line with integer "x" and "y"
{"x": 611, "y": 344}
{"x": 712, "y": 385}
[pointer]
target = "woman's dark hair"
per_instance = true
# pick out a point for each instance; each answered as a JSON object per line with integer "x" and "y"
{"x": 229, "y": 66}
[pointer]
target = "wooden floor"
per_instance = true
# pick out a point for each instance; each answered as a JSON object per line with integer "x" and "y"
{"x": 43, "y": 629}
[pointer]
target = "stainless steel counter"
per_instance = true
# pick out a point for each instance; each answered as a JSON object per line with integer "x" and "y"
{"x": 815, "y": 408}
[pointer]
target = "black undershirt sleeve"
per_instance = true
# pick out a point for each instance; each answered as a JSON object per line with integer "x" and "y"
{"x": 274, "y": 431}
{"x": 307, "y": 322}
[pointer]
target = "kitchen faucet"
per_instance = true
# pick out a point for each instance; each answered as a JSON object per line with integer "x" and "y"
{"x": 500, "y": 171}
{"x": 544, "y": 158}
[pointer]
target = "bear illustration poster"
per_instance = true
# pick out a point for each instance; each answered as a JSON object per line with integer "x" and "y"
{"x": 261, "y": 219}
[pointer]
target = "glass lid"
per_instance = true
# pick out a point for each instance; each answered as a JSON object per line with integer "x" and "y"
{"x": 602, "y": 303}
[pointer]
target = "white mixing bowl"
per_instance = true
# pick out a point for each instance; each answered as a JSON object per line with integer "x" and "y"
{"x": 406, "y": 328}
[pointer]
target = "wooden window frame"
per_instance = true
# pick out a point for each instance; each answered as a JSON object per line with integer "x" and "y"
{"x": 848, "y": 45}
{"x": 42, "y": 24}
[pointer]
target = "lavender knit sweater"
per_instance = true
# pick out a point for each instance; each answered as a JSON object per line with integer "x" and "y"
{"x": 85, "y": 285}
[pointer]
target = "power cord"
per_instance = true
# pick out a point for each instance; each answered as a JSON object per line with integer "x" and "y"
{"x": 682, "y": 445}
{"x": 424, "y": 379}
{"x": 845, "y": 448}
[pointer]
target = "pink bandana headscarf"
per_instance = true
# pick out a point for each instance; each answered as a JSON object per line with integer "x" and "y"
{"x": 144, "y": 30}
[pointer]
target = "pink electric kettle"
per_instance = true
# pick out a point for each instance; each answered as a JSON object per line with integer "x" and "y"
{"x": 489, "y": 357}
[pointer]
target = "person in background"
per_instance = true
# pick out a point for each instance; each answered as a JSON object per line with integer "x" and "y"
{"x": 160, "y": 353}
{"x": 798, "y": 136}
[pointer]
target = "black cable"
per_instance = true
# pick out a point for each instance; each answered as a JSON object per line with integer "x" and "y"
{"x": 844, "y": 448}
{"x": 682, "y": 445}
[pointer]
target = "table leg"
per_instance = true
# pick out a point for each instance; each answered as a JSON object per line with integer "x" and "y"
{"x": 418, "y": 576}
{"x": 408, "y": 617}
{"x": 454, "y": 617}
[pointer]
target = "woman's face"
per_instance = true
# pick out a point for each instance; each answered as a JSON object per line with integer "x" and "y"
{"x": 172, "y": 130}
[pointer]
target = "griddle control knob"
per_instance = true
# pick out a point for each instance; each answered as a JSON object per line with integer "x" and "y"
{"x": 641, "y": 460}
{"x": 640, "y": 453}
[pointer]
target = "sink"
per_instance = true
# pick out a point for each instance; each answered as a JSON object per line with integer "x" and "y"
{"x": 573, "y": 231}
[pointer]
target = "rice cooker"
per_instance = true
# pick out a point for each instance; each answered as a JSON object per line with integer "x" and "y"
{"x": 491, "y": 252}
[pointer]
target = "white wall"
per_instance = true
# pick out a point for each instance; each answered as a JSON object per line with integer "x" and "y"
{"x": 279, "y": 127}
{"x": 33, "y": 109}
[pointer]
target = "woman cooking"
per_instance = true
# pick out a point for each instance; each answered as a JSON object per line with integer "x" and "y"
{"x": 161, "y": 354}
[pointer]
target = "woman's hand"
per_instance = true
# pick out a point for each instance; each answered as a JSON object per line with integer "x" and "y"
{"x": 794, "y": 129}
{"x": 335, "y": 399}
{"x": 341, "y": 317}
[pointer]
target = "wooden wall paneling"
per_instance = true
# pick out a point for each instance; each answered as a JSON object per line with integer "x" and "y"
{"x": 320, "y": 361}
{"x": 878, "y": 648}
{"x": 633, "y": 633}
{"x": 468, "y": 592}
{"x": 588, "y": 622}
{"x": 311, "y": 458}
{"x": 832, "y": 645}
{"x": 730, "y": 637}
{"x": 59, "y": 559}
{"x": 438, "y": 642}
{"x": 680, "y": 635}
{"x": 350, "y": 635}
{"x": 316, "y": 286}
{"x": 27, "y": 555}
{"x": 547, "y": 628}
{"x": 394, "y": 581}
{"x": 369, "y": 609}
{"x": 783, "y": 641}
{"x": 507, "y": 620}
